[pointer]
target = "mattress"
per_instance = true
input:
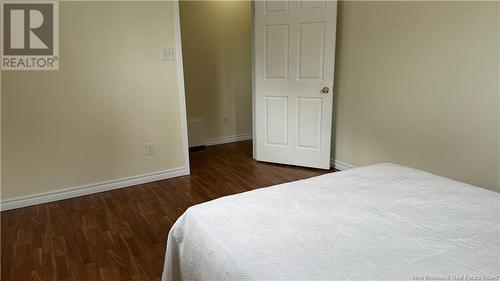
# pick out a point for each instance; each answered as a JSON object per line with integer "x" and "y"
{"x": 380, "y": 222}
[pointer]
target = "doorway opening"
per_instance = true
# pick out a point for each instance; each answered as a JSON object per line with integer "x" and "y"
{"x": 217, "y": 58}
{"x": 283, "y": 51}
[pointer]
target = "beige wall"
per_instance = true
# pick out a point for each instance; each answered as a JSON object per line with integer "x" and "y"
{"x": 89, "y": 121}
{"x": 498, "y": 94}
{"x": 216, "y": 42}
{"x": 417, "y": 85}
{"x": 1, "y": 145}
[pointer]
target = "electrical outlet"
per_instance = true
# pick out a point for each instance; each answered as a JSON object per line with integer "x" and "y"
{"x": 149, "y": 149}
{"x": 167, "y": 53}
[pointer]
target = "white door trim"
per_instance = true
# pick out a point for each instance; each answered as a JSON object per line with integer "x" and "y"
{"x": 182, "y": 92}
{"x": 254, "y": 143}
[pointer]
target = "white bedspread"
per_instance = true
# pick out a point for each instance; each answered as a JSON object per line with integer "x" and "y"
{"x": 381, "y": 222}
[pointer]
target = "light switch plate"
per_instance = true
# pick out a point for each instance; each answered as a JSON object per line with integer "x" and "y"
{"x": 167, "y": 53}
{"x": 149, "y": 149}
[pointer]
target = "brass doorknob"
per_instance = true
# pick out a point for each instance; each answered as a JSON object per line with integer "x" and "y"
{"x": 325, "y": 90}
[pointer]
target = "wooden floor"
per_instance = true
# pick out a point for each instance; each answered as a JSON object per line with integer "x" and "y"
{"x": 121, "y": 234}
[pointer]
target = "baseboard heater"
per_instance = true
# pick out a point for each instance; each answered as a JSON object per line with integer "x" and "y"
{"x": 196, "y": 133}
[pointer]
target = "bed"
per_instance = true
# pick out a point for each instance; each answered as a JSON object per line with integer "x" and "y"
{"x": 380, "y": 222}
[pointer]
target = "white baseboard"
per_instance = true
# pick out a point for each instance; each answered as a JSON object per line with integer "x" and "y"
{"x": 341, "y": 166}
{"x": 228, "y": 139}
{"x": 66, "y": 193}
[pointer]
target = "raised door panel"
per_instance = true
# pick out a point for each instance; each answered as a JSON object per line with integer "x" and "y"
{"x": 309, "y": 112}
{"x": 315, "y": 5}
{"x": 276, "y": 7}
{"x": 311, "y": 51}
{"x": 276, "y": 120}
{"x": 276, "y": 52}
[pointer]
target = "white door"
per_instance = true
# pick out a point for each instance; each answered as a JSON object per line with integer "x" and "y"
{"x": 294, "y": 57}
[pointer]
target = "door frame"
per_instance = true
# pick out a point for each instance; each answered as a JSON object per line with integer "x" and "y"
{"x": 254, "y": 142}
{"x": 182, "y": 92}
